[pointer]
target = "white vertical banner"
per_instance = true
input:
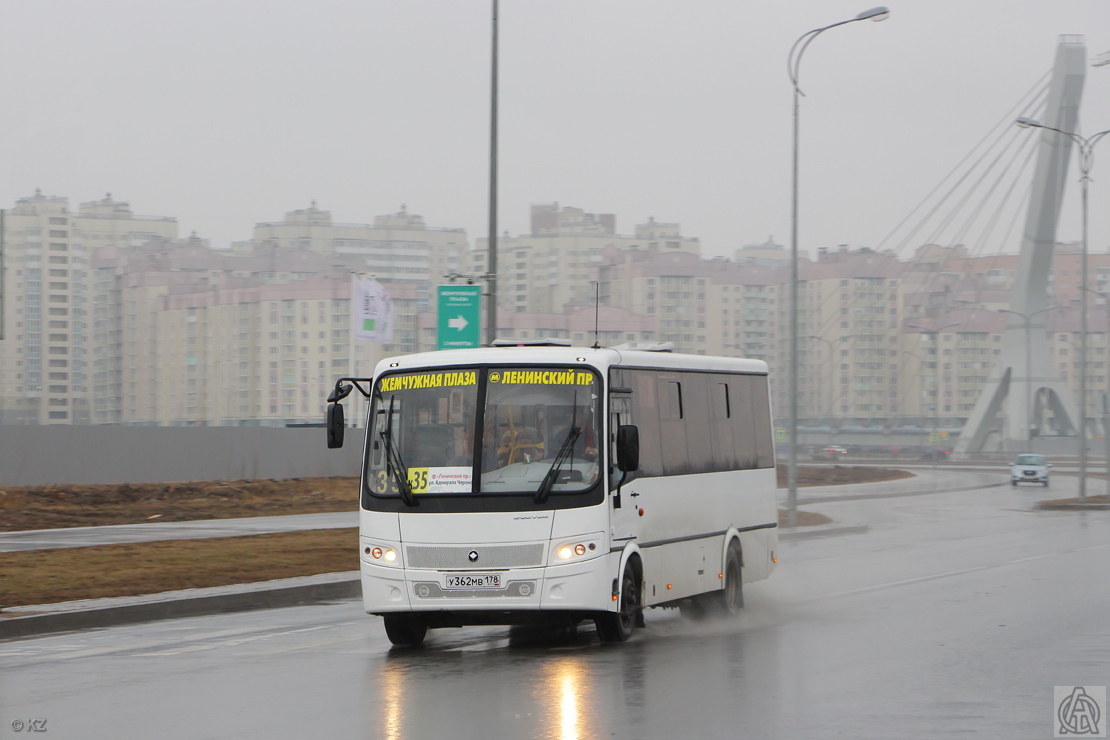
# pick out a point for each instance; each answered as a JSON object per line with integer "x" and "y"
{"x": 371, "y": 310}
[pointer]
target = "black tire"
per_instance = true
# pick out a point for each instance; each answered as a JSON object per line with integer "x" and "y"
{"x": 1013, "y": 483}
{"x": 730, "y": 599}
{"x": 618, "y": 626}
{"x": 1046, "y": 482}
{"x": 405, "y": 630}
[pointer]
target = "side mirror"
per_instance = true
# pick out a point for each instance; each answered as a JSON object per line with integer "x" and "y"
{"x": 1049, "y": 465}
{"x": 628, "y": 448}
{"x": 335, "y": 425}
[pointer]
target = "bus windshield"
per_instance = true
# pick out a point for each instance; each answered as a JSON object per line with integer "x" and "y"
{"x": 429, "y": 436}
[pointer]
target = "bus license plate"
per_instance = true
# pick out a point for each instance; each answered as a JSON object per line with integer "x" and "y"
{"x": 473, "y": 580}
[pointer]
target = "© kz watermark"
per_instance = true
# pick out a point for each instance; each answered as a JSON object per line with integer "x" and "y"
{"x": 1080, "y": 711}
{"x": 30, "y": 725}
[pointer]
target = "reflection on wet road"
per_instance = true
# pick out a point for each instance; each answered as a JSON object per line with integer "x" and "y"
{"x": 955, "y": 614}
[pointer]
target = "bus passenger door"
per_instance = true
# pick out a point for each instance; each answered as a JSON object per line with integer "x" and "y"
{"x": 623, "y": 519}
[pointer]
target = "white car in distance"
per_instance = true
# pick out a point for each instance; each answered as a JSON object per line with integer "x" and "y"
{"x": 1029, "y": 469}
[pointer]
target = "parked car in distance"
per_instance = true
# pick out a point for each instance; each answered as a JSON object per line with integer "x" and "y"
{"x": 1029, "y": 468}
{"x": 936, "y": 453}
{"x": 831, "y": 452}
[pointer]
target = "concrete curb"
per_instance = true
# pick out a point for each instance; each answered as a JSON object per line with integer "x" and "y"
{"x": 821, "y": 530}
{"x": 895, "y": 494}
{"x": 97, "y": 613}
{"x": 1072, "y": 507}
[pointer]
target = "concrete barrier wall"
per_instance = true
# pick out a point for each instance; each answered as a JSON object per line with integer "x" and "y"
{"x": 45, "y": 455}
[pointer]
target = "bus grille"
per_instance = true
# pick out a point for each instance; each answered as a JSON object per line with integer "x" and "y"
{"x": 514, "y": 589}
{"x": 458, "y": 558}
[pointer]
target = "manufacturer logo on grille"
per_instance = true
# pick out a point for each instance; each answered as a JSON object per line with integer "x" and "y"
{"x": 472, "y": 556}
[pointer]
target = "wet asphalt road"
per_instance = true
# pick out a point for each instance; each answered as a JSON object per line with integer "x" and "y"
{"x": 954, "y": 615}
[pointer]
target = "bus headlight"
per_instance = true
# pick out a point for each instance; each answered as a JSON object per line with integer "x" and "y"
{"x": 380, "y": 554}
{"x": 584, "y": 546}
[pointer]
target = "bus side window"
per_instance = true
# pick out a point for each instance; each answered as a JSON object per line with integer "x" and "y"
{"x": 720, "y": 423}
{"x": 761, "y": 422}
{"x": 699, "y": 434}
{"x": 744, "y": 422}
{"x": 672, "y": 426}
{"x": 620, "y": 412}
{"x": 645, "y": 415}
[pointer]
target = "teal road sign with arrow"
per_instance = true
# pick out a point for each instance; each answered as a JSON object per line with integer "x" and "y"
{"x": 459, "y": 310}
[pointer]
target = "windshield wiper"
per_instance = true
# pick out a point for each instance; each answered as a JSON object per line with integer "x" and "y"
{"x": 552, "y": 476}
{"x": 393, "y": 463}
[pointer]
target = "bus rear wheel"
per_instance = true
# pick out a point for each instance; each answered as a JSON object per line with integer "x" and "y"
{"x": 405, "y": 630}
{"x": 730, "y": 600}
{"x": 618, "y": 626}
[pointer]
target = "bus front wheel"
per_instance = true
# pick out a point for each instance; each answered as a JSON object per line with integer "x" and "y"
{"x": 618, "y": 626}
{"x": 405, "y": 630}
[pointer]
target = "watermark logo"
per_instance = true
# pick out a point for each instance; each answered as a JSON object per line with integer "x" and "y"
{"x": 1080, "y": 711}
{"x": 30, "y": 725}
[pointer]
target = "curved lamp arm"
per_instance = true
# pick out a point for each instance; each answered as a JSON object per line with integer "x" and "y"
{"x": 793, "y": 61}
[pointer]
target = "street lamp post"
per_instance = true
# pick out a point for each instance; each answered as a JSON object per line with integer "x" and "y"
{"x": 1085, "y": 152}
{"x": 1028, "y": 319}
{"x": 793, "y": 62}
{"x": 1105, "y": 397}
{"x": 491, "y": 259}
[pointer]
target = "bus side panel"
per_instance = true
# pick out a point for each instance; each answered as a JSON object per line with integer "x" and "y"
{"x": 759, "y": 547}
{"x": 681, "y": 532}
{"x": 680, "y": 569}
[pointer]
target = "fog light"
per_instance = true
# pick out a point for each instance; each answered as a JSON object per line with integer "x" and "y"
{"x": 390, "y": 556}
{"x": 376, "y": 553}
{"x": 564, "y": 552}
{"x": 579, "y": 549}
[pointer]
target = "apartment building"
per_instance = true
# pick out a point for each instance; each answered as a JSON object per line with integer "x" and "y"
{"x": 47, "y": 354}
{"x": 554, "y": 265}
{"x": 607, "y": 325}
{"x": 714, "y": 307}
{"x": 192, "y": 335}
{"x": 397, "y": 247}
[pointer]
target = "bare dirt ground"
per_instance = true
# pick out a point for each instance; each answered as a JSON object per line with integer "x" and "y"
{"x": 57, "y": 507}
{"x": 1065, "y": 503}
{"x": 49, "y": 576}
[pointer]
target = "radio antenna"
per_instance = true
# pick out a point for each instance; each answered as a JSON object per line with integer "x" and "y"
{"x": 597, "y": 302}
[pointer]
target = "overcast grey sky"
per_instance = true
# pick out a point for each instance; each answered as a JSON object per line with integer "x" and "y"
{"x": 228, "y": 113}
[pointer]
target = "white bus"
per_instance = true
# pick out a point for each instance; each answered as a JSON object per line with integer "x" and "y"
{"x": 554, "y": 485}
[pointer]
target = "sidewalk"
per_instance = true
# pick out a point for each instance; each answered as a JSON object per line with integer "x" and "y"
{"x": 27, "y": 621}
{"x": 51, "y": 539}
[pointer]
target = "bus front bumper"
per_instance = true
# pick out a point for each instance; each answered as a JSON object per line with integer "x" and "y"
{"x": 582, "y": 586}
